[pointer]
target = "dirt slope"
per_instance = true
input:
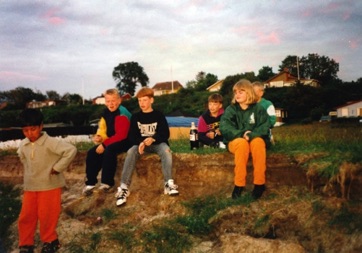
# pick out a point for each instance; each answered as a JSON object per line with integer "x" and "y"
{"x": 292, "y": 225}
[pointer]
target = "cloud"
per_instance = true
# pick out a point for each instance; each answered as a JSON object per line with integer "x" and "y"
{"x": 9, "y": 76}
{"x": 61, "y": 44}
{"x": 52, "y": 18}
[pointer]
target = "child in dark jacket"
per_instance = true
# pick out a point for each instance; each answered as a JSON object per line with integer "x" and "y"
{"x": 209, "y": 122}
{"x": 149, "y": 133}
{"x": 110, "y": 140}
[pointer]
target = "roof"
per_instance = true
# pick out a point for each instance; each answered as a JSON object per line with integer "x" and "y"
{"x": 349, "y": 103}
{"x": 288, "y": 76}
{"x": 167, "y": 85}
{"x": 216, "y": 85}
{"x": 285, "y": 76}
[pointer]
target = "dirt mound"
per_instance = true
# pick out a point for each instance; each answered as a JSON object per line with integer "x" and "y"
{"x": 282, "y": 221}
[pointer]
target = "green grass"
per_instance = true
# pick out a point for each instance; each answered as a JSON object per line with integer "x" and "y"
{"x": 346, "y": 220}
{"x": 9, "y": 209}
{"x": 183, "y": 146}
{"x": 344, "y": 142}
{"x": 202, "y": 209}
{"x": 108, "y": 214}
{"x": 165, "y": 238}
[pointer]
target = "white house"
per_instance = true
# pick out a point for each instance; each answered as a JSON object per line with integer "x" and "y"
{"x": 351, "y": 109}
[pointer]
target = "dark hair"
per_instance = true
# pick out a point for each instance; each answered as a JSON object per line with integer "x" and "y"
{"x": 30, "y": 117}
{"x": 217, "y": 98}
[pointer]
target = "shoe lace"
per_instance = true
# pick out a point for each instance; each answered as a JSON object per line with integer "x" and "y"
{"x": 122, "y": 194}
{"x": 172, "y": 186}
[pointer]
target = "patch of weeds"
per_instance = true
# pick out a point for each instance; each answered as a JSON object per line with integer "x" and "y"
{"x": 261, "y": 226}
{"x": 84, "y": 146}
{"x": 108, "y": 214}
{"x": 317, "y": 206}
{"x": 125, "y": 238}
{"x": 347, "y": 220}
{"x": 95, "y": 240}
{"x": 183, "y": 146}
{"x": 166, "y": 239}
{"x": 10, "y": 205}
{"x": 6, "y": 152}
{"x": 261, "y": 221}
{"x": 84, "y": 243}
{"x": 76, "y": 248}
{"x": 202, "y": 209}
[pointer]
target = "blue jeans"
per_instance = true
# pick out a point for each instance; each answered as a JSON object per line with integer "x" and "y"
{"x": 162, "y": 149}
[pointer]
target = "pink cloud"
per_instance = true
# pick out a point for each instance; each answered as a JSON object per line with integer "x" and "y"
{"x": 17, "y": 76}
{"x": 271, "y": 38}
{"x": 346, "y": 15}
{"x": 307, "y": 13}
{"x": 332, "y": 7}
{"x": 353, "y": 44}
{"x": 242, "y": 29}
{"x": 52, "y": 18}
{"x": 217, "y": 7}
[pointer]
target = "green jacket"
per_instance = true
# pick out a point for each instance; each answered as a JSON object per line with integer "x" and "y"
{"x": 236, "y": 121}
{"x": 270, "y": 109}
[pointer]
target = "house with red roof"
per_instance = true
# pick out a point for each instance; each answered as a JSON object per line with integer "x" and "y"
{"x": 285, "y": 79}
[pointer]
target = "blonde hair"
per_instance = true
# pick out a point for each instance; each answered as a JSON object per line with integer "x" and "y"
{"x": 259, "y": 85}
{"x": 145, "y": 91}
{"x": 246, "y": 86}
{"x": 113, "y": 91}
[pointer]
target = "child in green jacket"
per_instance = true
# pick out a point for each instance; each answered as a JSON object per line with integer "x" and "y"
{"x": 245, "y": 127}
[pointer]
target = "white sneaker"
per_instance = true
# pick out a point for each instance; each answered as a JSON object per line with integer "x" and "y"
{"x": 121, "y": 196}
{"x": 222, "y": 145}
{"x": 171, "y": 188}
{"x": 105, "y": 187}
{"x": 88, "y": 190}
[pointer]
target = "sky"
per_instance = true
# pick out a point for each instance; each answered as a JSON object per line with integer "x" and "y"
{"x": 73, "y": 45}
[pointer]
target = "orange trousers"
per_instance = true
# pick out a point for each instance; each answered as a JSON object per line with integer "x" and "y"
{"x": 42, "y": 206}
{"x": 241, "y": 149}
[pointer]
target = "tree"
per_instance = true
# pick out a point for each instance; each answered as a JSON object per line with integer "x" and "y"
{"x": 72, "y": 99}
{"x": 320, "y": 68}
{"x": 227, "y": 86}
{"x": 265, "y": 73}
{"x": 20, "y": 96}
{"x": 204, "y": 81}
{"x": 200, "y": 76}
{"x": 52, "y": 95}
{"x": 313, "y": 66}
{"x": 290, "y": 64}
{"x": 128, "y": 75}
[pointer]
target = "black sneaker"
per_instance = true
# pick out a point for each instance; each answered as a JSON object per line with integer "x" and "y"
{"x": 258, "y": 191}
{"x": 237, "y": 192}
{"x": 26, "y": 249}
{"x": 51, "y": 247}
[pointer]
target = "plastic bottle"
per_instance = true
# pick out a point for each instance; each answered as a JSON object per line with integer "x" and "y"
{"x": 194, "y": 140}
